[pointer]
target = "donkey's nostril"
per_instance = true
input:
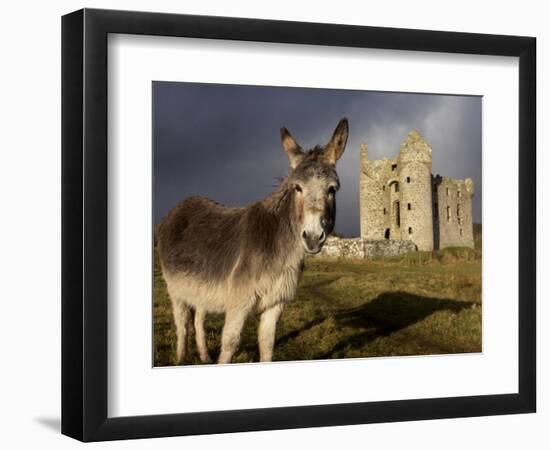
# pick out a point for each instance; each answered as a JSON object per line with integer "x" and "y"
{"x": 322, "y": 236}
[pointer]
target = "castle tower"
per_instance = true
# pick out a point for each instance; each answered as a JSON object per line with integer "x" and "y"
{"x": 415, "y": 180}
{"x": 395, "y": 194}
{"x": 453, "y": 212}
{"x": 375, "y": 197}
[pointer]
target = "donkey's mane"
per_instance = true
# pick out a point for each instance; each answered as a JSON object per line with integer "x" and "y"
{"x": 275, "y": 200}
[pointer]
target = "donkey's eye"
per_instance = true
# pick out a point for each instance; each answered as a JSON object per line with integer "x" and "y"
{"x": 298, "y": 188}
{"x": 331, "y": 190}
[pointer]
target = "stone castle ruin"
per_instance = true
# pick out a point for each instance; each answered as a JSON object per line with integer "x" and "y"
{"x": 400, "y": 199}
{"x": 404, "y": 207}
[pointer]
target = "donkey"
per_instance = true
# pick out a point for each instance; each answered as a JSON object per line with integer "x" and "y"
{"x": 236, "y": 260}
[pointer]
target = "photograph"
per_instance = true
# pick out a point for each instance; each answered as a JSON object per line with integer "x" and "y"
{"x": 299, "y": 224}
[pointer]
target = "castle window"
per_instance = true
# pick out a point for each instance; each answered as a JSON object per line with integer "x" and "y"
{"x": 393, "y": 166}
{"x": 459, "y": 194}
{"x": 447, "y": 192}
{"x": 384, "y": 187}
{"x": 461, "y": 233}
{"x": 384, "y": 211}
{"x": 448, "y": 213}
{"x": 411, "y": 230}
{"x": 387, "y": 233}
{"x": 397, "y": 214}
{"x": 458, "y": 210}
{"x": 409, "y": 206}
{"x": 396, "y": 187}
{"x": 408, "y": 179}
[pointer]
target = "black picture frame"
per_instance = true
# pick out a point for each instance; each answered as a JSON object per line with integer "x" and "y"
{"x": 84, "y": 224}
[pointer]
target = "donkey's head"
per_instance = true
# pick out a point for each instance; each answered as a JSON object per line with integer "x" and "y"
{"x": 313, "y": 183}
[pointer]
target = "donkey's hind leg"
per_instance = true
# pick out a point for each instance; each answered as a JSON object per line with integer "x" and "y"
{"x": 200, "y": 337}
{"x": 182, "y": 314}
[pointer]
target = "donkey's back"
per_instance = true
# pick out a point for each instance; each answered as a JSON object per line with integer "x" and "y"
{"x": 199, "y": 238}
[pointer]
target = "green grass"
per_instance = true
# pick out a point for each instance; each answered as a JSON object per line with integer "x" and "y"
{"x": 417, "y": 304}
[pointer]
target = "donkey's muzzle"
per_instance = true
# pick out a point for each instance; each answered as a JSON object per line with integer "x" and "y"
{"x": 313, "y": 242}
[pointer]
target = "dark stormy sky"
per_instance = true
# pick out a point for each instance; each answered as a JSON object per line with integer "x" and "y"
{"x": 223, "y": 141}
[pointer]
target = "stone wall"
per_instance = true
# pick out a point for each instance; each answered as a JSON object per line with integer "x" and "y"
{"x": 365, "y": 248}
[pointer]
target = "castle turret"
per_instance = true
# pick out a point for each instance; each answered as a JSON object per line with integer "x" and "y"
{"x": 415, "y": 173}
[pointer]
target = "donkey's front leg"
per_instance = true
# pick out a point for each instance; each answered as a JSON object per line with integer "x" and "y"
{"x": 200, "y": 336}
{"x": 266, "y": 331}
{"x": 231, "y": 335}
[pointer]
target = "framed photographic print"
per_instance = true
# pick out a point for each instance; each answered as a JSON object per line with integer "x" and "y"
{"x": 274, "y": 224}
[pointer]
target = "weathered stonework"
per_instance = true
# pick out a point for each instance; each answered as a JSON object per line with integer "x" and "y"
{"x": 365, "y": 248}
{"x": 452, "y": 204}
{"x": 400, "y": 200}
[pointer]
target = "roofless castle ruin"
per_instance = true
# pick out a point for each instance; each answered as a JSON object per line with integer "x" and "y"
{"x": 400, "y": 199}
{"x": 404, "y": 207}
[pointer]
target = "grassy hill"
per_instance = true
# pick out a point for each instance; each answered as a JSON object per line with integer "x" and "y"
{"x": 417, "y": 304}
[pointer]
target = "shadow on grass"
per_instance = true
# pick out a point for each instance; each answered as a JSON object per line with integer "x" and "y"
{"x": 386, "y": 314}
{"x": 297, "y": 332}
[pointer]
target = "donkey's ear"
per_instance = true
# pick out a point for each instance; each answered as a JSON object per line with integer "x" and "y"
{"x": 335, "y": 148}
{"x": 292, "y": 149}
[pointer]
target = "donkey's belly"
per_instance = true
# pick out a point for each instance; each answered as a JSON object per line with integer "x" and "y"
{"x": 210, "y": 296}
{"x": 230, "y": 294}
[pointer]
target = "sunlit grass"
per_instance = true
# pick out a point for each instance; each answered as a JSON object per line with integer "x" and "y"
{"x": 417, "y": 304}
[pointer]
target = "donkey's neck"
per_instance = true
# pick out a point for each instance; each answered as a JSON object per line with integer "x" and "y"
{"x": 275, "y": 224}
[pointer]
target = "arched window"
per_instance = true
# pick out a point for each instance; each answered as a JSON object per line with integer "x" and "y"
{"x": 411, "y": 230}
{"x": 387, "y": 233}
{"x": 408, "y": 179}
